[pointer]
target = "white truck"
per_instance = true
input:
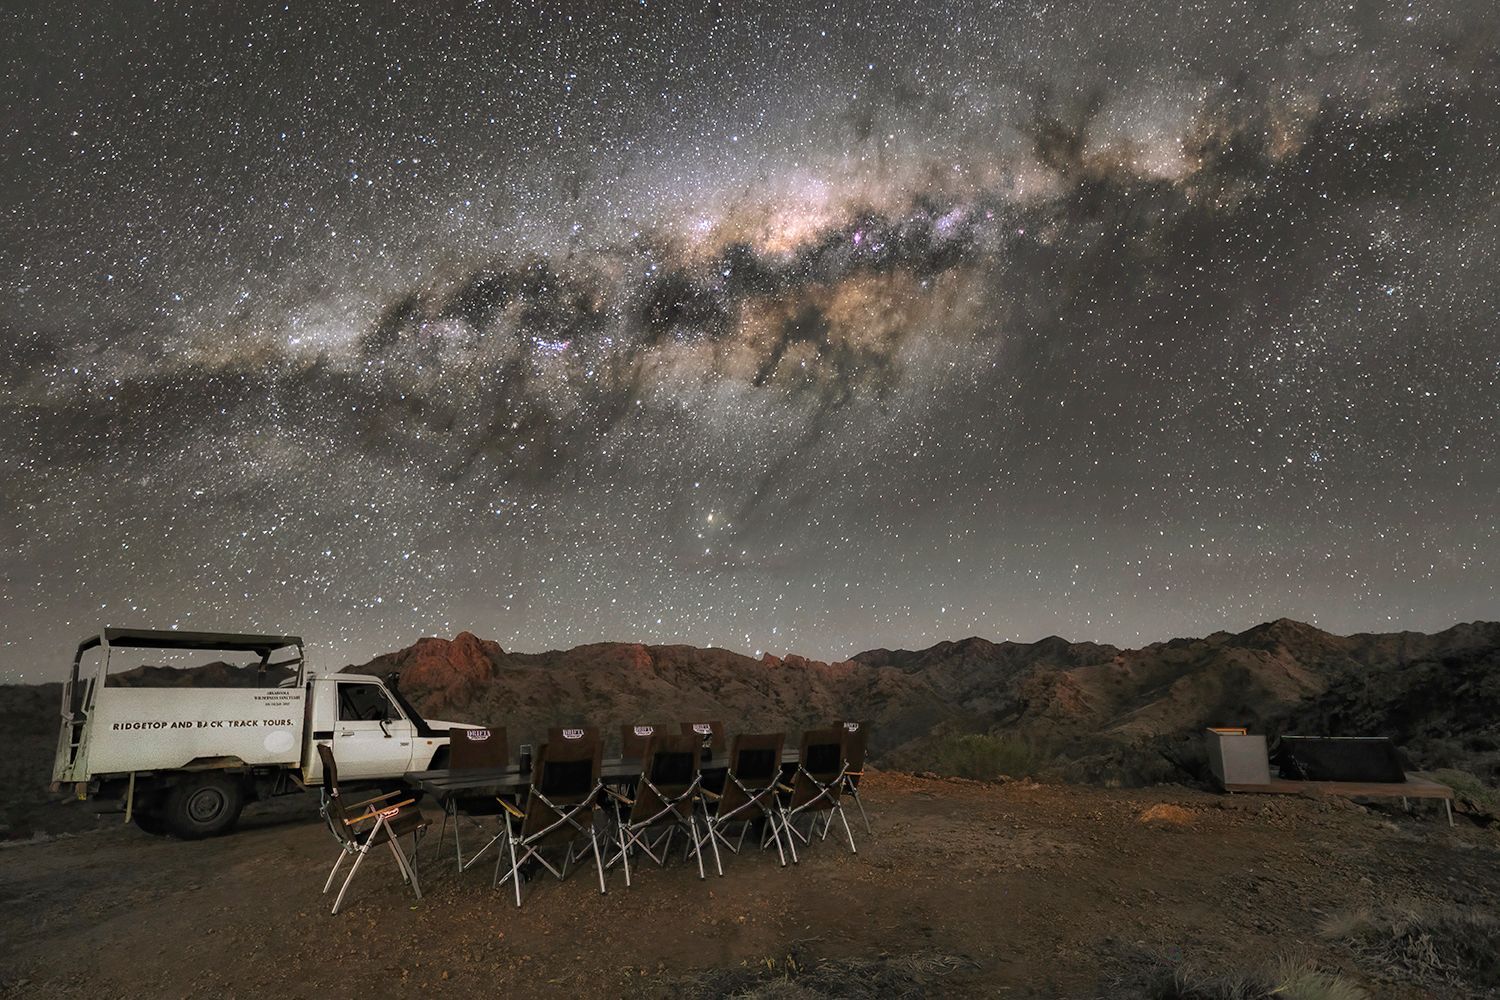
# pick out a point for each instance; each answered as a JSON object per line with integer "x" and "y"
{"x": 185, "y": 760}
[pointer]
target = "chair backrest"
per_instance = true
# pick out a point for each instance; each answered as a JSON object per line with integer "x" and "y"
{"x": 821, "y": 758}
{"x": 755, "y": 763}
{"x": 330, "y": 770}
{"x": 670, "y": 767}
{"x": 477, "y": 749}
{"x": 634, "y": 738}
{"x": 856, "y": 741}
{"x": 338, "y": 820}
{"x": 713, "y": 730}
{"x": 565, "y": 772}
{"x": 574, "y": 734}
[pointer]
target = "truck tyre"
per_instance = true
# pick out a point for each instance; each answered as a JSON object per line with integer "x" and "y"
{"x": 149, "y": 820}
{"x": 203, "y": 805}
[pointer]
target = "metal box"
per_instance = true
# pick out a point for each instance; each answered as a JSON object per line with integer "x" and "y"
{"x": 1237, "y": 758}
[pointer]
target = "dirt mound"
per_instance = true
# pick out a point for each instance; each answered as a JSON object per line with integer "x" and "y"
{"x": 1165, "y": 814}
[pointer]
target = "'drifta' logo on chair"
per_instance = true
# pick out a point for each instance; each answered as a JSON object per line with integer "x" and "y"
{"x": 703, "y": 729}
{"x": 388, "y": 813}
{"x": 572, "y": 734}
{"x": 851, "y": 727}
{"x": 477, "y": 735}
{"x": 643, "y": 730}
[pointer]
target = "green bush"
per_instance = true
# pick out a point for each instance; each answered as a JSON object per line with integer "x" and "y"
{"x": 984, "y": 757}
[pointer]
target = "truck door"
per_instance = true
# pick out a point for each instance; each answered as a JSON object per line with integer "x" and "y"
{"x": 371, "y": 738}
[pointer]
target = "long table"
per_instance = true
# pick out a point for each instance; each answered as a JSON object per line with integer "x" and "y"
{"x": 444, "y": 783}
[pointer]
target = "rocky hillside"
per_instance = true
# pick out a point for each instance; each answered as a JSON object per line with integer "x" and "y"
{"x": 470, "y": 679}
{"x": 1083, "y": 711}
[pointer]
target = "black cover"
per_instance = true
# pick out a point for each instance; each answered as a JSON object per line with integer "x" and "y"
{"x": 1343, "y": 758}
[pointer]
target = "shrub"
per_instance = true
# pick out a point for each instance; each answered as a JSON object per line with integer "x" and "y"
{"x": 984, "y": 757}
{"x": 1480, "y": 797}
{"x": 1286, "y": 979}
{"x": 1446, "y": 945}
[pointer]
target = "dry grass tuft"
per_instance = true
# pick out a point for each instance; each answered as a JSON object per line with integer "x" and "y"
{"x": 1287, "y": 979}
{"x": 1434, "y": 946}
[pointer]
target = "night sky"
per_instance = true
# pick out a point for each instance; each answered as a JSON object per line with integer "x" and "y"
{"x": 803, "y": 327}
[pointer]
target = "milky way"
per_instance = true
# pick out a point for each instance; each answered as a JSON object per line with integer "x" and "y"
{"x": 780, "y": 328}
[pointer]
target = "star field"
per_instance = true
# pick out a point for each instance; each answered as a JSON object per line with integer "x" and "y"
{"x": 783, "y": 327}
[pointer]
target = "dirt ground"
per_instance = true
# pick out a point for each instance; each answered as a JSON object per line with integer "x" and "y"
{"x": 1029, "y": 890}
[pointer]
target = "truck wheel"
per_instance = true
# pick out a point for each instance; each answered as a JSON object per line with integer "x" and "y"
{"x": 149, "y": 820}
{"x": 203, "y": 805}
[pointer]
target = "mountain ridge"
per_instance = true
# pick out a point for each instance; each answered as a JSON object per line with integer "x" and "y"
{"x": 1092, "y": 711}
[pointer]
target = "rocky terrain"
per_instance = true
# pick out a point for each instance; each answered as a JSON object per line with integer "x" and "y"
{"x": 1057, "y": 710}
{"x": 1072, "y": 711}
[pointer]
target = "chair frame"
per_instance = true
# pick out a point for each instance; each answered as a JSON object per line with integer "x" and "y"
{"x": 451, "y": 803}
{"x": 807, "y": 793}
{"x": 855, "y": 734}
{"x": 632, "y": 831}
{"x": 566, "y": 815}
{"x": 355, "y": 842}
{"x": 762, "y": 798}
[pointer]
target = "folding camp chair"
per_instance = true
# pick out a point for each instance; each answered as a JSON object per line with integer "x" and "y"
{"x": 713, "y": 732}
{"x": 562, "y": 734}
{"x": 815, "y": 787}
{"x": 635, "y": 738}
{"x": 749, "y": 794}
{"x": 474, "y": 750}
{"x": 856, "y": 740}
{"x": 665, "y": 800}
{"x": 368, "y": 824}
{"x": 559, "y": 809}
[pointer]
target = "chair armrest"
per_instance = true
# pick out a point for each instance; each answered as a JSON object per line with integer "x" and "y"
{"x": 367, "y": 802}
{"x": 709, "y": 795}
{"x": 854, "y": 774}
{"x": 376, "y": 812}
{"x": 518, "y": 814}
{"x": 783, "y": 788}
{"x": 619, "y": 795}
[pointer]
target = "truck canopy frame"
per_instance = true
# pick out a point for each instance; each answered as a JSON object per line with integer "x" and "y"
{"x": 76, "y": 694}
{"x": 148, "y": 638}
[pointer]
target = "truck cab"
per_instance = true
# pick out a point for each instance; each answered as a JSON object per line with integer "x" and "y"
{"x": 373, "y": 730}
{"x": 184, "y": 758}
